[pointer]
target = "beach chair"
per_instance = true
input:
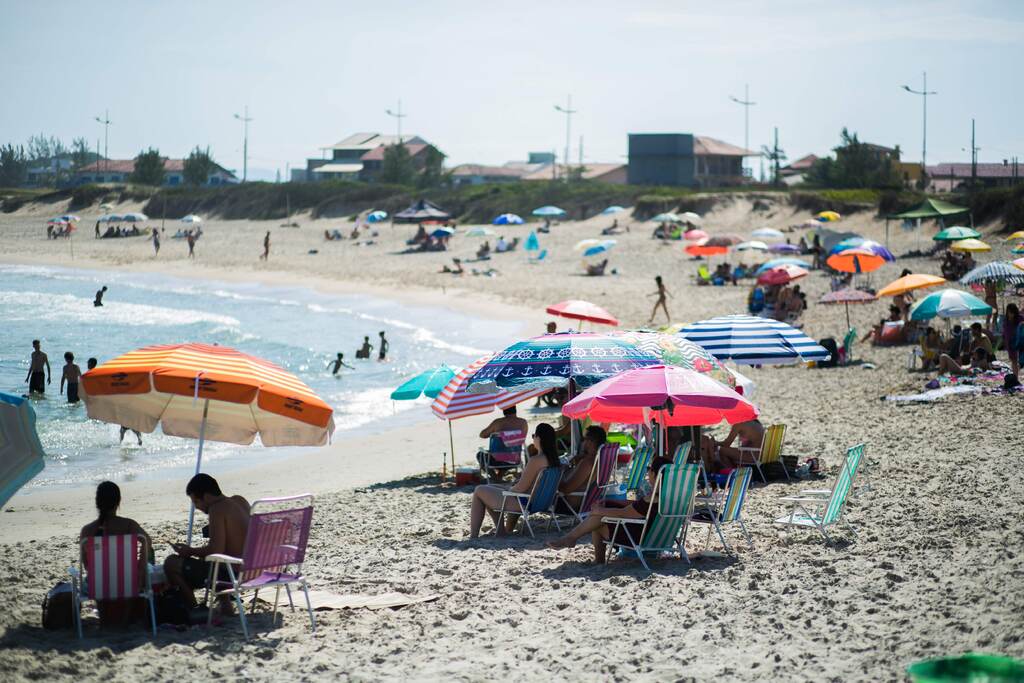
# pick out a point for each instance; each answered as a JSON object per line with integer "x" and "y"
{"x": 769, "y": 452}
{"x": 846, "y": 351}
{"x": 115, "y": 569}
{"x": 504, "y": 453}
{"x": 855, "y": 458}
{"x": 703, "y": 275}
{"x": 543, "y": 254}
{"x": 709, "y": 511}
{"x": 275, "y": 548}
{"x": 638, "y": 467}
{"x": 662, "y": 530}
{"x": 818, "y": 509}
{"x": 598, "y": 482}
{"x": 540, "y": 499}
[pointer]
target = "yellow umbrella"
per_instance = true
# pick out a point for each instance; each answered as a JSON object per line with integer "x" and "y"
{"x": 970, "y": 245}
{"x": 828, "y": 216}
{"x": 1019, "y": 235}
{"x": 910, "y": 282}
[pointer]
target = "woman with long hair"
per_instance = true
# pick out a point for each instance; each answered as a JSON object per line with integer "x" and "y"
{"x": 488, "y": 497}
{"x": 107, "y": 522}
{"x": 1013, "y": 337}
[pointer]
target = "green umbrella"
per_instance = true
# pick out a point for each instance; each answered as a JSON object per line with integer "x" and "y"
{"x": 957, "y": 232}
{"x": 428, "y": 383}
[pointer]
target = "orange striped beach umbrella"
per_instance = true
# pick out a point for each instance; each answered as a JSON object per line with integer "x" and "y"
{"x": 207, "y": 392}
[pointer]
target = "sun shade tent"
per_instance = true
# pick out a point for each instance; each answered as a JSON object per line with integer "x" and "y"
{"x": 21, "y": 454}
{"x": 929, "y": 209}
{"x": 422, "y": 210}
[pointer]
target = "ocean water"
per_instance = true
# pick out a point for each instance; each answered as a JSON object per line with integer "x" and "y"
{"x": 299, "y": 329}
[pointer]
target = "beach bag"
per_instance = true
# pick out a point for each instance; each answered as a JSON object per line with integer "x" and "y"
{"x": 58, "y": 607}
{"x": 829, "y": 345}
{"x": 171, "y": 608}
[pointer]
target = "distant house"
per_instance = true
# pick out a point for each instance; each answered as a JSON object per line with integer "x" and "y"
{"x": 361, "y": 156}
{"x": 796, "y": 172}
{"x": 120, "y": 170}
{"x": 600, "y": 172}
{"x": 686, "y": 160}
{"x": 951, "y": 176}
{"x": 477, "y": 174}
{"x": 48, "y": 171}
{"x": 879, "y": 152}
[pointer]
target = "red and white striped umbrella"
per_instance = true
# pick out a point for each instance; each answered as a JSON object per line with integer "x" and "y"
{"x": 455, "y": 402}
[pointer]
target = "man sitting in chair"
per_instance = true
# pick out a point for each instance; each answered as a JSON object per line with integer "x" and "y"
{"x": 229, "y": 524}
{"x": 506, "y": 436}
{"x": 580, "y": 467}
{"x": 750, "y": 433}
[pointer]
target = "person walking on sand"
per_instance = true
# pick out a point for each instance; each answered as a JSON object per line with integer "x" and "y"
{"x": 338, "y": 363}
{"x": 662, "y": 295}
{"x": 191, "y": 239}
{"x": 382, "y": 351}
{"x": 156, "y": 242}
{"x": 70, "y": 375}
{"x": 35, "y": 370}
{"x": 99, "y": 296}
{"x": 266, "y": 247}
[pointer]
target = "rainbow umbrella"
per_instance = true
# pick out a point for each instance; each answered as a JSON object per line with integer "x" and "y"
{"x": 865, "y": 244}
{"x": 847, "y": 296}
{"x": 1018, "y": 249}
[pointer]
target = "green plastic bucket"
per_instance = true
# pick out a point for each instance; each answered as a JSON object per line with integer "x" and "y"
{"x": 968, "y": 668}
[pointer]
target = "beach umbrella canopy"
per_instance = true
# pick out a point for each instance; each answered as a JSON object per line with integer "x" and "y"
{"x": 598, "y": 249}
{"x": 810, "y": 224}
{"x": 513, "y": 219}
{"x": 970, "y": 244}
{"x": 996, "y": 271}
{"x": 551, "y": 360}
{"x": 21, "y": 454}
{"x": 753, "y": 245}
{"x": 667, "y": 217}
{"x": 784, "y": 248}
{"x": 848, "y": 296}
{"x": 949, "y": 303}
{"x": 671, "y": 349}
{"x": 694, "y": 235}
{"x": 480, "y": 231}
{"x": 191, "y": 218}
{"x": 586, "y": 244}
{"x": 690, "y": 217}
{"x": 702, "y": 248}
{"x": 441, "y": 233}
{"x": 768, "y": 265}
{"x": 428, "y": 383}
{"x": 956, "y": 233}
{"x": 547, "y": 211}
{"x": 855, "y": 261}
{"x": 376, "y": 216}
{"x": 110, "y": 218}
{"x": 70, "y": 218}
{"x": 781, "y": 275}
{"x": 615, "y": 208}
{"x": 858, "y": 242}
{"x": 828, "y": 216}
{"x": 582, "y": 311}
{"x": 1019, "y": 263}
{"x": 1018, "y": 249}
{"x": 532, "y": 243}
{"x": 748, "y": 340}
{"x": 106, "y": 207}
{"x": 455, "y": 401}
{"x": 767, "y": 234}
{"x": 726, "y": 240}
{"x": 1019, "y": 235}
{"x": 675, "y": 396}
{"x": 56, "y": 221}
{"x": 134, "y": 217}
{"x": 910, "y": 282}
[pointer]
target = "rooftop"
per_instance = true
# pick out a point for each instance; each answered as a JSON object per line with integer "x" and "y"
{"x": 958, "y": 170}
{"x": 705, "y": 146}
{"x": 590, "y": 170}
{"x": 377, "y": 153}
{"x": 368, "y": 141}
{"x": 128, "y": 166}
{"x": 481, "y": 169}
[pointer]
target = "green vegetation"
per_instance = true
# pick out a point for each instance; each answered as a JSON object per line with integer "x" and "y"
{"x": 397, "y": 167}
{"x": 13, "y": 165}
{"x": 855, "y": 166}
{"x": 198, "y": 167}
{"x": 149, "y": 168}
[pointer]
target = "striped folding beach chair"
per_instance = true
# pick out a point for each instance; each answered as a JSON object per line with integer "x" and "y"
{"x": 770, "y": 450}
{"x": 600, "y": 476}
{"x": 115, "y": 568}
{"x": 663, "y": 528}
{"x": 709, "y": 511}
{"x": 275, "y": 548}
{"x": 638, "y": 467}
{"x": 540, "y": 500}
{"x": 811, "y": 509}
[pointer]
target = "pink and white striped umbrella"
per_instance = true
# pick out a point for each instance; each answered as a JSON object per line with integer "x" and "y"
{"x": 455, "y": 402}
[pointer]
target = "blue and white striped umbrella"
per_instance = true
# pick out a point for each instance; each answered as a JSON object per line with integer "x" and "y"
{"x": 754, "y": 341}
{"x": 508, "y": 219}
{"x": 949, "y": 303}
{"x": 996, "y": 271}
{"x": 376, "y": 216}
{"x": 549, "y": 211}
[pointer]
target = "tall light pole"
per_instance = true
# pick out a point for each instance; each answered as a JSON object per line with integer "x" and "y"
{"x": 568, "y": 111}
{"x": 106, "y": 138}
{"x": 398, "y": 116}
{"x": 747, "y": 104}
{"x": 924, "y": 93}
{"x": 245, "y": 119}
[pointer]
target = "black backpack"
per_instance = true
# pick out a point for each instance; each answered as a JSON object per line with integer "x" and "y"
{"x": 58, "y": 607}
{"x": 830, "y": 345}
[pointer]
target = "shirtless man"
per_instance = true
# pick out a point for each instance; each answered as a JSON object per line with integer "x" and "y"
{"x": 35, "y": 370}
{"x": 229, "y": 523}
{"x": 750, "y": 434}
{"x": 71, "y": 375}
{"x": 576, "y": 478}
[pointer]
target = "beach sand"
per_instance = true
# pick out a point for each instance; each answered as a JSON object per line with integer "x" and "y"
{"x": 935, "y": 568}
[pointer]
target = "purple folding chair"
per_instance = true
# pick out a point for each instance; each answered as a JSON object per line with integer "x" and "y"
{"x": 275, "y": 547}
{"x": 600, "y": 475}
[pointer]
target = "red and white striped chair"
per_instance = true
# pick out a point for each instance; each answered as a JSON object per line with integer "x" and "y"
{"x": 113, "y": 570}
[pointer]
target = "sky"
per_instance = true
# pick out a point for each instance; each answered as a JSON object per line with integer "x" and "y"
{"x": 480, "y": 79}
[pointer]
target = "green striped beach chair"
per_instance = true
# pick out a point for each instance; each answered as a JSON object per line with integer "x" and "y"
{"x": 813, "y": 510}
{"x": 855, "y": 457}
{"x": 663, "y": 528}
{"x": 638, "y": 467}
{"x": 708, "y": 511}
{"x": 770, "y": 450}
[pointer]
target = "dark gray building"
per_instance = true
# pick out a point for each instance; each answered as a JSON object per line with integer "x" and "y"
{"x": 685, "y": 159}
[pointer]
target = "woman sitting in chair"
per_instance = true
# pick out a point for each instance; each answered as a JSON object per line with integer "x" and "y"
{"x": 488, "y": 497}
{"x": 108, "y": 499}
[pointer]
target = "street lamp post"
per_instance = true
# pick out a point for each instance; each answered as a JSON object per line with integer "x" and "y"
{"x": 568, "y": 111}
{"x": 747, "y": 104}
{"x": 398, "y": 116}
{"x": 924, "y": 93}
{"x": 106, "y": 138}
{"x": 245, "y": 119}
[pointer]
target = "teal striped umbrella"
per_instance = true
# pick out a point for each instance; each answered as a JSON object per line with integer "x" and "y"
{"x": 428, "y": 383}
{"x": 949, "y": 303}
{"x": 957, "y": 232}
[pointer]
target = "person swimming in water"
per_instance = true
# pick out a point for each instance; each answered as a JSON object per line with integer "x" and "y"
{"x": 99, "y": 296}
{"x": 338, "y": 363}
{"x": 365, "y": 349}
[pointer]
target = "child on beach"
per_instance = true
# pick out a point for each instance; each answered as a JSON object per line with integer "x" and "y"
{"x": 70, "y": 375}
{"x": 338, "y": 363}
{"x": 365, "y": 349}
{"x": 382, "y": 352}
{"x": 662, "y": 301}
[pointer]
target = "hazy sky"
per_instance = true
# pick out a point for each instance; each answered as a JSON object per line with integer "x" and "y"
{"x": 479, "y": 79}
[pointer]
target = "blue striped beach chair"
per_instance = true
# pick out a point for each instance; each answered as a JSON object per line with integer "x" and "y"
{"x": 812, "y": 509}
{"x": 540, "y": 500}
{"x": 709, "y": 511}
{"x": 663, "y": 528}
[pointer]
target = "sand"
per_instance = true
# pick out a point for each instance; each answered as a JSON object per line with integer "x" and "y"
{"x": 935, "y": 567}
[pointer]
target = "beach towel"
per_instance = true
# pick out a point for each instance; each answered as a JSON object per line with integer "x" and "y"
{"x": 936, "y": 394}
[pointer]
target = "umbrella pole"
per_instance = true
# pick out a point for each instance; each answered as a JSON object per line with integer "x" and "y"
{"x": 199, "y": 462}
{"x": 847, "y": 314}
{"x": 451, "y": 442}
